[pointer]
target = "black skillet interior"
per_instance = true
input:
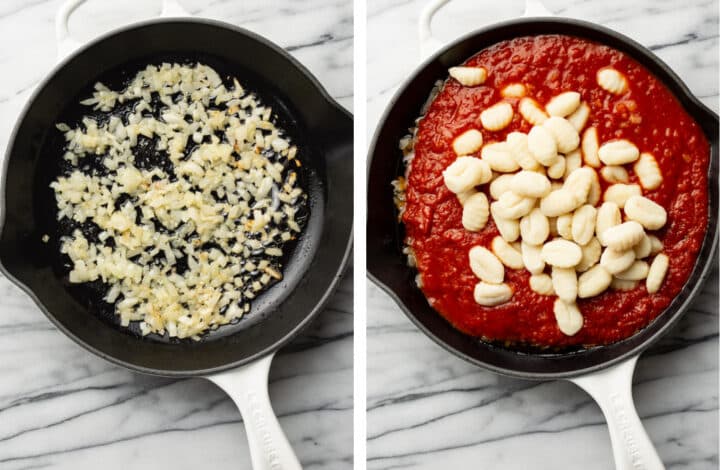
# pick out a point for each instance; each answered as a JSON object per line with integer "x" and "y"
{"x": 322, "y": 130}
{"x": 386, "y": 264}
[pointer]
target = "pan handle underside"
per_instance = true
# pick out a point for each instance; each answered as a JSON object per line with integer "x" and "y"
{"x": 248, "y": 388}
{"x": 611, "y": 388}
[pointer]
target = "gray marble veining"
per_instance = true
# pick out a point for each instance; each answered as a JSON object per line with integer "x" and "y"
{"x": 61, "y": 407}
{"x": 428, "y": 409}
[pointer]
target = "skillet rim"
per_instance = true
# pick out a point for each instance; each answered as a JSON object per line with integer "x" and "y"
{"x": 703, "y": 115}
{"x": 328, "y": 101}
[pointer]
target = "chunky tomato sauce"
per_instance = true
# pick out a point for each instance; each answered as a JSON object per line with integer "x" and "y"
{"x": 648, "y": 115}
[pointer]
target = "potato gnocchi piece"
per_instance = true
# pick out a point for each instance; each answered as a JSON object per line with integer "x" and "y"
{"x": 618, "y": 152}
{"x": 619, "y": 284}
{"x": 558, "y": 202}
{"x": 593, "y": 282}
{"x": 620, "y": 193}
{"x": 583, "y": 224}
{"x": 568, "y": 317}
{"x": 518, "y": 144}
{"x": 490, "y": 295}
{"x": 534, "y": 227}
{"x": 468, "y": 76}
{"x": 646, "y": 212}
{"x": 513, "y": 206}
{"x": 531, "y": 111}
{"x": 542, "y": 284}
{"x": 563, "y": 104}
{"x": 530, "y": 184}
{"x": 590, "y": 255}
{"x": 637, "y": 271}
{"x": 500, "y": 185}
{"x": 542, "y": 145}
{"x": 497, "y": 116}
{"x": 532, "y": 258}
{"x": 579, "y": 183}
{"x": 557, "y": 169}
{"x": 507, "y": 253}
{"x": 595, "y": 193}
{"x": 514, "y": 90}
{"x": 615, "y": 174}
{"x": 657, "y": 272}
{"x": 465, "y": 195}
{"x": 509, "y": 229}
{"x": 465, "y": 173}
{"x": 561, "y": 253}
{"x": 617, "y": 261}
{"x": 624, "y": 236}
{"x": 565, "y": 135}
{"x": 579, "y": 118}
{"x": 485, "y": 265}
{"x": 500, "y": 158}
{"x": 468, "y": 142}
{"x": 476, "y": 211}
{"x": 656, "y": 245}
{"x": 648, "y": 171}
{"x": 564, "y": 226}
{"x": 643, "y": 249}
{"x": 564, "y": 281}
{"x": 590, "y": 146}
{"x": 573, "y": 161}
{"x": 612, "y": 80}
{"x": 608, "y": 215}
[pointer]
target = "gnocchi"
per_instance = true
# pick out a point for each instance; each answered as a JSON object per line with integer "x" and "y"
{"x": 637, "y": 271}
{"x": 590, "y": 146}
{"x": 624, "y": 236}
{"x": 558, "y": 202}
{"x": 513, "y": 206}
{"x": 476, "y": 211}
{"x": 618, "y": 152}
{"x": 500, "y": 185}
{"x": 564, "y": 281}
{"x": 499, "y": 156}
{"x": 518, "y": 144}
{"x": 615, "y": 174}
{"x": 617, "y": 261}
{"x": 530, "y": 184}
{"x": 542, "y": 145}
{"x": 565, "y": 135}
{"x": 656, "y": 273}
{"x": 506, "y": 253}
{"x": 514, "y": 90}
{"x": 531, "y": 111}
{"x": 561, "y": 253}
{"x": 583, "y": 224}
{"x": 468, "y": 142}
{"x": 619, "y": 193}
{"x": 648, "y": 171}
{"x": 497, "y": 116}
{"x": 469, "y": 76}
{"x": 542, "y": 284}
{"x": 610, "y": 79}
{"x": 532, "y": 257}
{"x": 465, "y": 173}
{"x": 485, "y": 265}
{"x": 573, "y": 161}
{"x": 563, "y": 104}
{"x": 590, "y": 255}
{"x": 593, "y": 282}
{"x": 579, "y": 118}
{"x": 568, "y": 317}
{"x": 557, "y": 169}
{"x": 608, "y": 215}
{"x": 646, "y": 212}
{"x": 490, "y": 295}
{"x": 534, "y": 227}
{"x": 509, "y": 228}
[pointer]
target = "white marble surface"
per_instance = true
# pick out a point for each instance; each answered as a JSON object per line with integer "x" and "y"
{"x": 61, "y": 407}
{"x": 428, "y": 409}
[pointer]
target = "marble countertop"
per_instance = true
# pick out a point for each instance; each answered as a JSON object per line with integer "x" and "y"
{"x": 63, "y": 408}
{"x": 437, "y": 411}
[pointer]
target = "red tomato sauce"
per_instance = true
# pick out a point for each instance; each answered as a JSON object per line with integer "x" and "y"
{"x": 647, "y": 114}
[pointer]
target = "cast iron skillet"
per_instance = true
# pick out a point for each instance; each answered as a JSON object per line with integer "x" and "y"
{"x": 320, "y": 127}
{"x": 387, "y": 265}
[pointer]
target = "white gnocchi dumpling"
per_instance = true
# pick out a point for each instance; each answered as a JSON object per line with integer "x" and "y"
{"x": 531, "y": 111}
{"x": 532, "y": 257}
{"x": 579, "y": 118}
{"x": 595, "y": 193}
{"x": 476, "y": 212}
{"x": 643, "y": 249}
{"x": 646, "y": 212}
{"x": 568, "y": 317}
{"x": 558, "y": 202}
{"x": 530, "y": 184}
{"x": 500, "y": 158}
{"x": 573, "y": 161}
{"x": 615, "y": 261}
{"x": 485, "y": 265}
{"x": 657, "y": 272}
{"x": 465, "y": 173}
{"x": 468, "y": 76}
{"x": 468, "y": 142}
{"x": 513, "y": 90}
{"x": 497, "y": 116}
{"x": 500, "y": 185}
{"x": 509, "y": 229}
{"x": 563, "y": 104}
{"x": 513, "y": 206}
{"x": 579, "y": 183}
{"x": 557, "y": 169}
{"x": 618, "y": 152}
{"x": 534, "y": 227}
{"x": 648, "y": 171}
{"x": 593, "y": 282}
{"x": 610, "y": 79}
{"x": 542, "y": 145}
{"x": 615, "y": 174}
{"x": 564, "y": 282}
{"x": 542, "y": 284}
{"x": 564, "y": 226}
{"x": 583, "y": 224}
{"x": 590, "y": 255}
{"x": 608, "y": 215}
{"x": 619, "y": 193}
{"x": 565, "y": 135}
{"x": 507, "y": 253}
{"x": 561, "y": 253}
{"x": 590, "y": 145}
{"x": 490, "y": 295}
{"x": 619, "y": 284}
{"x": 656, "y": 245}
{"x": 637, "y": 271}
{"x": 518, "y": 144}
{"x": 624, "y": 236}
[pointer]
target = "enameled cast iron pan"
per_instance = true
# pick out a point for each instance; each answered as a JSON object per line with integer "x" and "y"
{"x": 593, "y": 369}
{"x": 236, "y": 357}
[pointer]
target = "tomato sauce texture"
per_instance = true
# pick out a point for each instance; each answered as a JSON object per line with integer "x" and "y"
{"x": 647, "y": 114}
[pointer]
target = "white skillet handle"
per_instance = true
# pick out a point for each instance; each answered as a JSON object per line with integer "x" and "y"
{"x": 66, "y": 44}
{"x": 248, "y": 387}
{"x": 612, "y": 390}
{"x": 429, "y": 44}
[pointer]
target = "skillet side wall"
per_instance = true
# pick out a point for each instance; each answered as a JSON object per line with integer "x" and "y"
{"x": 386, "y": 264}
{"x": 311, "y": 272}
